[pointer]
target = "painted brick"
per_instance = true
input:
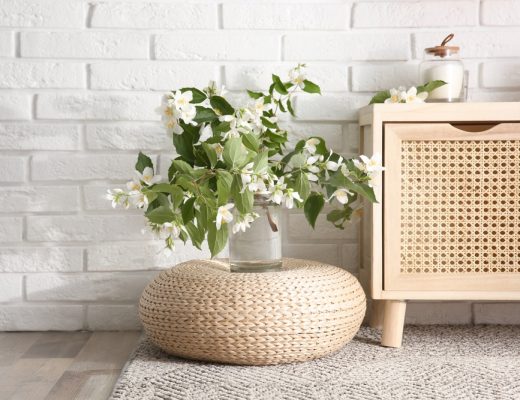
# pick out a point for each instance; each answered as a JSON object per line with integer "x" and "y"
{"x": 134, "y": 136}
{"x": 84, "y": 44}
{"x": 497, "y": 313}
{"x": 99, "y": 286}
{"x": 325, "y": 253}
{"x": 41, "y": 259}
{"x": 329, "y": 107}
{"x": 82, "y": 166}
{"x": 351, "y": 257}
{"x": 237, "y": 46}
{"x": 331, "y": 78}
{"x": 11, "y": 229}
{"x": 501, "y": 74}
{"x": 473, "y": 44}
{"x": 286, "y": 16}
{"x": 123, "y": 256}
{"x": 34, "y": 136}
{"x": 11, "y": 288}
{"x": 433, "y": 313}
{"x": 39, "y": 198}
{"x": 500, "y": 12}
{"x": 31, "y": 317}
{"x": 346, "y": 46}
{"x": 15, "y": 106}
{"x": 6, "y": 44}
{"x": 24, "y": 74}
{"x": 351, "y": 139}
{"x": 98, "y": 106}
{"x": 113, "y": 318}
{"x": 413, "y": 14}
{"x": 12, "y": 169}
{"x": 373, "y": 78}
{"x": 154, "y": 15}
{"x": 86, "y": 228}
{"x": 42, "y": 13}
{"x": 299, "y": 228}
{"x": 150, "y": 75}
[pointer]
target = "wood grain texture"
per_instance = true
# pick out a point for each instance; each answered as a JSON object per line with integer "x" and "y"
{"x": 62, "y": 365}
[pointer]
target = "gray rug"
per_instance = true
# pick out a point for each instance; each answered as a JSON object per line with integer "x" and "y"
{"x": 438, "y": 362}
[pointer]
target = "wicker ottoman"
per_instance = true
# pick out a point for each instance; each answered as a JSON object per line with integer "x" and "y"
{"x": 200, "y": 310}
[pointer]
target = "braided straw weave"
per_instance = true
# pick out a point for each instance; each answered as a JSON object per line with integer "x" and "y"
{"x": 200, "y": 310}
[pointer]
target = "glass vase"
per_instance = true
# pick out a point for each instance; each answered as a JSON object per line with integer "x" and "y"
{"x": 259, "y": 247}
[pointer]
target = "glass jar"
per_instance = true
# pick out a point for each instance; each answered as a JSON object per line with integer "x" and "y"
{"x": 259, "y": 247}
{"x": 443, "y": 63}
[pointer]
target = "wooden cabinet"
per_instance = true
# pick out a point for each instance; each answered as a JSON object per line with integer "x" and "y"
{"x": 447, "y": 226}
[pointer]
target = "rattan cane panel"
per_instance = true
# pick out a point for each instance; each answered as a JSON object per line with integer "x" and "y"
{"x": 460, "y": 208}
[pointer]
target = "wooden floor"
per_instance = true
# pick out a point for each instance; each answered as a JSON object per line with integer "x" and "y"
{"x": 62, "y": 365}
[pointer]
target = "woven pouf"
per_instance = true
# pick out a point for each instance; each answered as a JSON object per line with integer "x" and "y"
{"x": 200, "y": 310}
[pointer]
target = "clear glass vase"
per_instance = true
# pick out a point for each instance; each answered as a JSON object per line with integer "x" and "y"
{"x": 259, "y": 247}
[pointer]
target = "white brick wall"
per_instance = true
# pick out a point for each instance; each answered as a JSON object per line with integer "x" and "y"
{"x": 79, "y": 83}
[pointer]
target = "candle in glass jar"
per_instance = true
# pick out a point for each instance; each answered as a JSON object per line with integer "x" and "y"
{"x": 452, "y": 74}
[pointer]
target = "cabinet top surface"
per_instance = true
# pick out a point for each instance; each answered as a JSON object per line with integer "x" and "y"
{"x": 431, "y": 112}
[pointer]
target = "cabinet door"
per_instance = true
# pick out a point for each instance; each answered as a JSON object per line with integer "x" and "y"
{"x": 451, "y": 207}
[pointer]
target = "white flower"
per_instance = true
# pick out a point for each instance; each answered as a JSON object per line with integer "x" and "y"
{"x": 310, "y": 145}
{"x": 233, "y": 126}
{"x": 169, "y": 116}
{"x": 170, "y": 229}
{"x": 411, "y": 96}
{"x": 173, "y": 127}
{"x": 224, "y": 216}
{"x": 312, "y": 177}
{"x": 341, "y": 195}
{"x": 297, "y": 76}
{"x": 205, "y": 133}
{"x": 244, "y": 222}
{"x": 289, "y": 196}
{"x": 138, "y": 199}
{"x": 118, "y": 198}
{"x": 310, "y": 164}
{"x": 134, "y": 185}
{"x": 188, "y": 113}
{"x": 276, "y": 190}
{"x": 257, "y": 185}
{"x": 334, "y": 165}
{"x": 182, "y": 100}
{"x": 372, "y": 164}
{"x": 213, "y": 90}
{"x": 148, "y": 177}
{"x": 219, "y": 149}
{"x": 395, "y": 96}
{"x": 246, "y": 173}
{"x": 259, "y": 107}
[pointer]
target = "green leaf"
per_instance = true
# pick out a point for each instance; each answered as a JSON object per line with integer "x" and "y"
{"x": 313, "y": 206}
{"x": 184, "y": 146}
{"x": 188, "y": 210}
{"x": 243, "y": 198}
{"x": 335, "y": 215}
{"x": 254, "y": 95}
{"x": 260, "y": 162}
{"x": 143, "y": 161}
{"x": 160, "y": 215}
{"x": 430, "y": 86}
{"x": 196, "y": 235}
{"x": 234, "y": 153}
{"x": 311, "y": 87}
{"x": 380, "y": 97}
{"x": 204, "y": 115}
{"x": 198, "y": 95}
{"x": 278, "y": 85}
{"x": 224, "y": 180}
{"x": 302, "y": 185}
{"x": 290, "y": 108}
{"x": 217, "y": 239}
{"x": 268, "y": 123}
{"x": 211, "y": 153}
{"x": 182, "y": 166}
{"x": 221, "y": 105}
{"x": 251, "y": 141}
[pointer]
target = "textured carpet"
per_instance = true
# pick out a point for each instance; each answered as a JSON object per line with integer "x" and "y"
{"x": 441, "y": 362}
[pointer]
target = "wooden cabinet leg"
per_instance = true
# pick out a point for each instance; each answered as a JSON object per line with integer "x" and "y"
{"x": 377, "y": 310}
{"x": 393, "y": 323}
